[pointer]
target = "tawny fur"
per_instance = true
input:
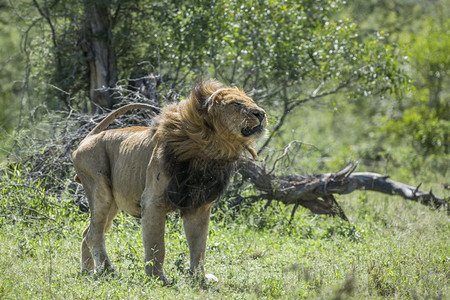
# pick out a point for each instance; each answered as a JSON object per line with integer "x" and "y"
{"x": 184, "y": 161}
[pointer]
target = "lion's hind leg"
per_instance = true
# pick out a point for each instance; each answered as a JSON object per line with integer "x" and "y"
{"x": 87, "y": 261}
{"x": 103, "y": 210}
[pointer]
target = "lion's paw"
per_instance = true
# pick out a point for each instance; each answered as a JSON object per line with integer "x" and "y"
{"x": 209, "y": 278}
{"x": 105, "y": 272}
{"x": 161, "y": 279}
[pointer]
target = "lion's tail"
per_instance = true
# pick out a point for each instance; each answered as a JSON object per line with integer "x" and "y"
{"x": 120, "y": 111}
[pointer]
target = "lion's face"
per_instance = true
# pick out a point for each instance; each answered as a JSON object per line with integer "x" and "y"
{"x": 236, "y": 115}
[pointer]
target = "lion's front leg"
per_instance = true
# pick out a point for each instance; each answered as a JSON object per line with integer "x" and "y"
{"x": 196, "y": 222}
{"x": 153, "y": 227}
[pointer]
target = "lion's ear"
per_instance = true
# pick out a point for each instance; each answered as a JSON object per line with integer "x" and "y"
{"x": 205, "y": 91}
{"x": 208, "y": 100}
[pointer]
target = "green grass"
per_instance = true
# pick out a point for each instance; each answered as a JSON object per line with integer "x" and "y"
{"x": 391, "y": 249}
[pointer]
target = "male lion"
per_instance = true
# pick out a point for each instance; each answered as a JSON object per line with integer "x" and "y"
{"x": 183, "y": 161}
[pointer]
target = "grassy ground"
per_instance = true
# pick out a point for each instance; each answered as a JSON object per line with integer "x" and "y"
{"x": 391, "y": 249}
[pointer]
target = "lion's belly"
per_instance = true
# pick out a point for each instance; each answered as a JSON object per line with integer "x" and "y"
{"x": 129, "y": 203}
{"x": 127, "y": 189}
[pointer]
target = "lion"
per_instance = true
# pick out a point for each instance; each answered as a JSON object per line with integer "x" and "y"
{"x": 182, "y": 161}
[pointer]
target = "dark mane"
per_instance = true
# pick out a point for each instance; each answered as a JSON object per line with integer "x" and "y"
{"x": 196, "y": 182}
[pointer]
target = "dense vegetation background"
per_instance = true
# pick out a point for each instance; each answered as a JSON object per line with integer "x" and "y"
{"x": 366, "y": 80}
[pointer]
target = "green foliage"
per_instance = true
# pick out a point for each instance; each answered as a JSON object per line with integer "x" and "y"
{"x": 426, "y": 118}
{"x": 428, "y": 129}
{"x": 25, "y": 199}
{"x": 11, "y": 72}
{"x": 277, "y": 48}
{"x": 419, "y": 118}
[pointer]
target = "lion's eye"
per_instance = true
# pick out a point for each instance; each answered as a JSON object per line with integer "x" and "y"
{"x": 236, "y": 104}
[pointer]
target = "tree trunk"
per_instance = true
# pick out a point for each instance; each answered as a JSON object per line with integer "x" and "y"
{"x": 100, "y": 53}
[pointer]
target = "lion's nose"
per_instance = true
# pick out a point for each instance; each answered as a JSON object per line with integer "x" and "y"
{"x": 259, "y": 114}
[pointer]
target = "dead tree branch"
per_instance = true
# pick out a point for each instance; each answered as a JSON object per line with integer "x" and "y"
{"x": 315, "y": 192}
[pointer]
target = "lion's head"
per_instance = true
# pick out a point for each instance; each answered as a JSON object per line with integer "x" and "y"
{"x": 218, "y": 122}
{"x": 232, "y": 113}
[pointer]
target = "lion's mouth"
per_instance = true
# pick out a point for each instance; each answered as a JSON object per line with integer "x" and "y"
{"x": 250, "y": 131}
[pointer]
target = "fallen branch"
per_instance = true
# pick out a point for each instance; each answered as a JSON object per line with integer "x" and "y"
{"x": 315, "y": 192}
